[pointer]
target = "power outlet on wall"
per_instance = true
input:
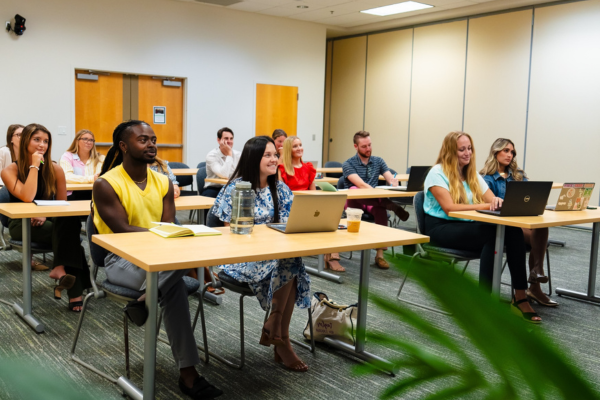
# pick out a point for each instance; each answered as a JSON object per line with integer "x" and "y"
{"x": 62, "y": 130}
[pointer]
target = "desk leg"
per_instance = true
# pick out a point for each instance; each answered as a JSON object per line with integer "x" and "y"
{"x": 150, "y": 334}
{"x": 361, "y": 322}
{"x": 499, "y": 252}
{"x": 591, "y": 291}
{"x": 25, "y": 311}
{"x": 321, "y": 273}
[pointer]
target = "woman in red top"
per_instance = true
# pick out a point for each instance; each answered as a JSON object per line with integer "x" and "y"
{"x": 299, "y": 175}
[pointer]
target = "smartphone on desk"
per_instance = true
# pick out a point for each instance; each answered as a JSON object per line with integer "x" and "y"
{"x": 342, "y": 227}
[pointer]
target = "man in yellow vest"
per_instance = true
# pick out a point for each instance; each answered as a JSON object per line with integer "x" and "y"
{"x": 128, "y": 197}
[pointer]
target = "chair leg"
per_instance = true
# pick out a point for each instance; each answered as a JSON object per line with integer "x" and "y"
{"x": 312, "y": 348}
{"x": 126, "y": 342}
{"x": 465, "y": 268}
{"x": 75, "y": 340}
{"x": 549, "y": 274}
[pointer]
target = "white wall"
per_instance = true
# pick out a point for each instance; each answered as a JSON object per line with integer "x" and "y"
{"x": 223, "y": 54}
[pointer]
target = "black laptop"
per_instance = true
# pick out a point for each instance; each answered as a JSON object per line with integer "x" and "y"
{"x": 523, "y": 199}
{"x": 416, "y": 180}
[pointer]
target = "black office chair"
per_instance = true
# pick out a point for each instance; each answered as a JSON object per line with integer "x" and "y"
{"x": 430, "y": 251}
{"x": 36, "y": 248}
{"x": 333, "y": 164}
{"x": 200, "y": 177}
{"x": 243, "y": 290}
{"x": 184, "y": 180}
{"x": 113, "y": 292}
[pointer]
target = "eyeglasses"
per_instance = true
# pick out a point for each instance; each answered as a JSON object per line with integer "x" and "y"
{"x": 17, "y": 135}
{"x": 88, "y": 140}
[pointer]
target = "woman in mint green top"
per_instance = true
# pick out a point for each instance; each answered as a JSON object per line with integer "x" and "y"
{"x": 454, "y": 185}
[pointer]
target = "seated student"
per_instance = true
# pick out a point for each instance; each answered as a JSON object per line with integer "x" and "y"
{"x": 501, "y": 167}
{"x": 298, "y": 175}
{"x": 220, "y": 162}
{"x": 278, "y": 284}
{"x": 82, "y": 163}
{"x": 35, "y": 177}
{"x": 453, "y": 184}
{"x": 362, "y": 171}
{"x": 162, "y": 167}
{"x": 128, "y": 196}
{"x": 279, "y": 137}
{"x": 7, "y": 153}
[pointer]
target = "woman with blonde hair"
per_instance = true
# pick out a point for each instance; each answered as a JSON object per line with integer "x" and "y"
{"x": 33, "y": 176}
{"x": 8, "y": 153}
{"x": 299, "y": 175}
{"x": 453, "y": 184}
{"x": 82, "y": 163}
{"x": 501, "y": 167}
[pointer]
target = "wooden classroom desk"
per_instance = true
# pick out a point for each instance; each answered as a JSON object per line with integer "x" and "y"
{"x": 79, "y": 186}
{"x": 400, "y": 177}
{"x": 556, "y": 185}
{"x": 547, "y": 220}
{"x": 26, "y": 211}
{"x": 154, "y": 253}
{"x": 184, "y": 171}
{"x": 221, "y": 181}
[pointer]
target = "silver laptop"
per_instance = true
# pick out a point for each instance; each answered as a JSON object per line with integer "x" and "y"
{"x": 313, "y": 213}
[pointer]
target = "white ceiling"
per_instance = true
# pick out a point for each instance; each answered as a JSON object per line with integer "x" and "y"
{"x": 343, "y": 17}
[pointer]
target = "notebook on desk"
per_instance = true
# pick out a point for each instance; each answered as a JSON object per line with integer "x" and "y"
{"x": 573, "y": 197}
{"x": 416, "y": 180}
{"x": 523, "y": 199}
{"x": 313, "y": 213}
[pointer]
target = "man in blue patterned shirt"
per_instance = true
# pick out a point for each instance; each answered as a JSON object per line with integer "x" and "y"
{"x": 362, "y": 172}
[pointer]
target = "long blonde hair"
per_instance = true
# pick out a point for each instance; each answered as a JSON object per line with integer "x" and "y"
{"x": 46, "y": 169}
{"x": 448, "y": 159}
{"x": 74, "y": 147}
{"x": 160, "y": 164}
{"x": 286, "y": 155}
{"x": 492, "y": 165}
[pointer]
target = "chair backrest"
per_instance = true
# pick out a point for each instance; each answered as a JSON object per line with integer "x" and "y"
{"x": 212, "y": 221}
{"x": 4, "y": 198}
{"x": 200, "y": 177}
{"x": 98, "y": 253}
{"x": 184, "y": 180}
{"x": 341, "y": 183}
{"x": 333, "y": 164}
{"x": 201, "y": 164}
{"x": 419, "y": 211}
{"x": 408, "y": 170}
{"x": 393, "y": 171}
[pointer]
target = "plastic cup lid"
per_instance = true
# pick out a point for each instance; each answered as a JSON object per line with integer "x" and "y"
{"x": 243, "y": 185}
{"x": 354, "y": 211}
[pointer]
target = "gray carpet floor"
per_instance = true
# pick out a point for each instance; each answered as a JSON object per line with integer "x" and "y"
{"x": 573, "y": 326}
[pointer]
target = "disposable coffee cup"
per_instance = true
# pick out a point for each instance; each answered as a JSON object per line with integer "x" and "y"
{"x": 353, "y": 216}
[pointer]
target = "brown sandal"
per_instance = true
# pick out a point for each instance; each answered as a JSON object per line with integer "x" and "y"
{"x": 381, "y": 263}
{"x": 215, "y": 291}
{"x": 297, "y": 366}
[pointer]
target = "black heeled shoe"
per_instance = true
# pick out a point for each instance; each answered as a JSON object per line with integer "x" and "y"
{"x": 527, "y": 316}
{"x": 65, "y": 282}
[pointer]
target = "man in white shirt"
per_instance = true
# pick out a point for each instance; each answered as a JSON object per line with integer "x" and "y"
{"x": 220, "y": 162}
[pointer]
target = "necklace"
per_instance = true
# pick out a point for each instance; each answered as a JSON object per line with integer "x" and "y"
{"x": 140, "y": 182}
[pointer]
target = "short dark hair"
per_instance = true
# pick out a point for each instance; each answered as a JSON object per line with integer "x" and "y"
{"x": 360, "y": 135}
{"x": 220, "y": 132}
{"x": 277, "y": 133}
{"x": 248, "y": 168}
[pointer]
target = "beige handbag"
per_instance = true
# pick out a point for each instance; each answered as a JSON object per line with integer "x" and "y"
{"x": 332, "y": 320}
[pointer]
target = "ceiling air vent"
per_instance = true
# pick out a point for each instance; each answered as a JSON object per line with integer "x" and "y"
{"x": 219, "y": 2}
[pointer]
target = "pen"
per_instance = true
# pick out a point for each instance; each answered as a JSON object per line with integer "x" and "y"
{"x": 395, "y": 175}
{"x": 42, "y": 161}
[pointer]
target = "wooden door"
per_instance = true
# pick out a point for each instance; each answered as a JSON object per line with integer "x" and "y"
{"x": 152, "y": 93}
{"x": 276, "y": 108}
{"x": 99, "y": 107}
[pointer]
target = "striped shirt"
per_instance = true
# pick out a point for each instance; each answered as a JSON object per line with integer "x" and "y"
{"x": 369, "y": 172}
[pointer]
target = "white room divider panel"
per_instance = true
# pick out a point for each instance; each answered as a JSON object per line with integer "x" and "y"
{"x": 387, "y": 102}
{"x": 497, "y": 80}
{"x": 437, "y": 88}
{"x": 347, "y": 95}
{"x": 563, "y": 137}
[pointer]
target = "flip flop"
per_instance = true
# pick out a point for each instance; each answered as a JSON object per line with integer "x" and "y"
{"x": 38, "y": 266}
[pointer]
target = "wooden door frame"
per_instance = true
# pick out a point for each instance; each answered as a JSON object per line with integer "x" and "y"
{"x": 146, "y": 73}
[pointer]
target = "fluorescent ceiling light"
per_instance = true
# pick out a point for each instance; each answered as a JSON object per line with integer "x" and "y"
{"x": 396, "y": 8}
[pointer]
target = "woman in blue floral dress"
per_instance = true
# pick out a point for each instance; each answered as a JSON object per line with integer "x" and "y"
{"x": 278, "y": 284}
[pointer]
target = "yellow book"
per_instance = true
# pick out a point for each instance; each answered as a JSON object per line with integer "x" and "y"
{"x": 167, "y": 230}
